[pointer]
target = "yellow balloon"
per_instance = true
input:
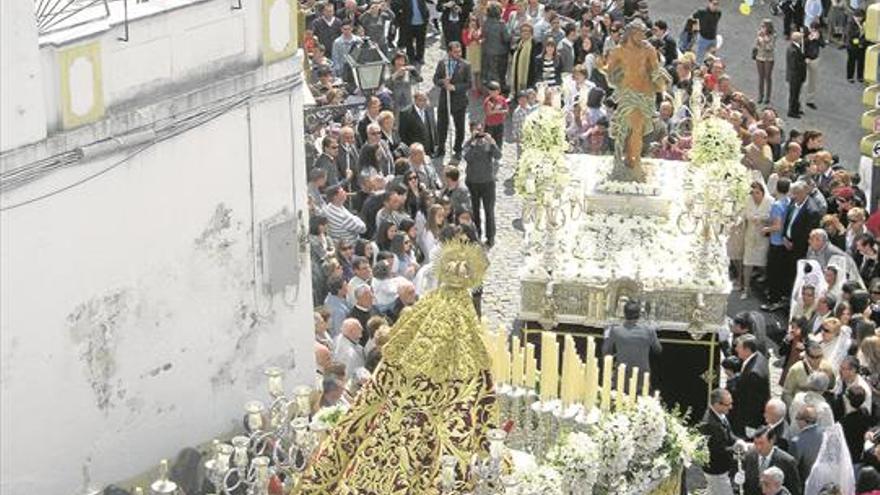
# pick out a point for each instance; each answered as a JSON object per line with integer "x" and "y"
{"x": 745, "y": 9}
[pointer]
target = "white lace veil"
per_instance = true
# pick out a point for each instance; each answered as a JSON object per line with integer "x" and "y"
{"x": 833, "y": 464}
{"x": 847, "y": 271}
{"x": 816, "y": 278}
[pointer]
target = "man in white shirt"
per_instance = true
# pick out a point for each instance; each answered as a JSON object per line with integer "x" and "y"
{"x": 342, "y": 225}
{"x": 350, "y": 352}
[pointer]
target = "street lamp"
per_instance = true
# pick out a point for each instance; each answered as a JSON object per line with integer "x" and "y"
{"x": 368, "y": 66}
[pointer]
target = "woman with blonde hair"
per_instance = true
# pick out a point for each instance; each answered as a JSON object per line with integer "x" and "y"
{"x": 856, "y": 218}
{"x": 831, "y": 224}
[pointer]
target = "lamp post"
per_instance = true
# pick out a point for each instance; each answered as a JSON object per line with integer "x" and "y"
{"x": 369, "y": 66}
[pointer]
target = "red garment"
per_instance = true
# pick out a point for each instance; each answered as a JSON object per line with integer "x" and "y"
{"x": 500, "y": 103}
{"x": 873, "y": 223}
{"x": 711, "y": 81}
{"x": 508, "y": 9}
{"x": 467, "y": 37}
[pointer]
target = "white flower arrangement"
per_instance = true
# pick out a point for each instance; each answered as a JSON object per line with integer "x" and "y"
{"x": 715, "y": 141}
{"x": 716, "y": 155}
{"x": 542, "y": 172}
{"x": 627, "y": 452}
{"x": 575, "y": 459}
{"x": 540, "y": 480}
{"x": 330, "y": 415}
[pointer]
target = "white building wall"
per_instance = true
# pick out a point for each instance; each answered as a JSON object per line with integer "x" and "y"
{"x": 22, "y": 111}
{"x": 131, "y": 326}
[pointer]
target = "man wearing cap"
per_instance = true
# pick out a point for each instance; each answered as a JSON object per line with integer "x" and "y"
{"x": 342, "y": 225}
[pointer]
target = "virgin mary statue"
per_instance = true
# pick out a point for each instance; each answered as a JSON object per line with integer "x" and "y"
{"x": 431, "y": 396}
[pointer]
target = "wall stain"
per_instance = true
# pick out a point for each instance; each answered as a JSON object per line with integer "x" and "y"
{"x": 93, "y": 328}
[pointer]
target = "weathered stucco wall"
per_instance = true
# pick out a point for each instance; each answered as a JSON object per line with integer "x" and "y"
{"x": 130, "y": 323}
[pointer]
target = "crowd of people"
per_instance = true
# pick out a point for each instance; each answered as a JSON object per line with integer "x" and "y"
{"x": 389, "y": 184}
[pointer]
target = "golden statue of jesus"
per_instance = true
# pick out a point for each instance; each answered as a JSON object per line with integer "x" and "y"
{"x": 633, "y": 70}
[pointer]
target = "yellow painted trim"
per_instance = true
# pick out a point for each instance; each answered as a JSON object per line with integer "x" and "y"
{"x": 91, "y": 51}
{"x": 869, "y": 118}
{"x": 866, "y": 146}
{"x": 872, "y": 60}
{"x": 269, "y": 54}
{"x": 869, "y": 95}
{"x": 872, "y": 23}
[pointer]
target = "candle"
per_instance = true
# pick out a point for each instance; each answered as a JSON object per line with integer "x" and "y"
{"x": 569, "y": 365}
{"x": 531, "y": 366}
{"x": 621, "y": 384}
{"x": 607, "y": 367}
{"x": 590, "y": 381}
{"x": 646, "y": 384}
{"x": 549, "y": 367}
{"x": 633, "y": 385}
{"x": 517, "y": 363}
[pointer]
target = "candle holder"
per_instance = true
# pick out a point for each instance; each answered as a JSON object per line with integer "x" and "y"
{"x": 163, "y": 486}
{"x": 281, "y": 445}
{"x": 275, "y": 381}
{"x": 448, "y": 465}
{"x": 565, "y": 419}
{"x": 739, "y": 479}
{"x": 486, "y": 472}
{"x": 547, "y": 426}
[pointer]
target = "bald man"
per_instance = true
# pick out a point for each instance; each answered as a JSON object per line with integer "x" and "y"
{"x": 350, "y": 352}
{"x": 406, "y": 296}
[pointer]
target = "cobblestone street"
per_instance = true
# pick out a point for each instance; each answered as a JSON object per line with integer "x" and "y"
{"x": 501, "y": 290}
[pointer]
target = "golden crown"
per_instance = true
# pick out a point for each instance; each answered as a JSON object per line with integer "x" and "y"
{"x": 461, "y": 264}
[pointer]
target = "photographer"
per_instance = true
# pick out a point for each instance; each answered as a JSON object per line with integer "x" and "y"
{"x": 481, "y": 153}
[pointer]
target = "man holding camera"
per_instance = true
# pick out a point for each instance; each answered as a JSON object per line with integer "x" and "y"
{"x": 481, "y": 153}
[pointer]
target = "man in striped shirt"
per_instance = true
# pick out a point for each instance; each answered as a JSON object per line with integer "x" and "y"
{"x": 342, "y": 224}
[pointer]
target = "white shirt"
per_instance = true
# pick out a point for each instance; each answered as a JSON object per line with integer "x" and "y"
{"x": 352, "y": 355}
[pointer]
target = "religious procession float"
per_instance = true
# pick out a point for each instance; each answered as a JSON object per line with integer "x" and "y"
{"x": 603, "y": 230}
{"x": 456, "y": 408}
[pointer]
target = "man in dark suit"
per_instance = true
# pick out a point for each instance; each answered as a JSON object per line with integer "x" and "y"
{"x": 802, "y": 217}
{"x": 753, "y": 388}
{"x": 327, "y": 160}
{"x": 795, "y": 73}
{"x": 417, "y": 124}
{"x": 371, "y": 116}
{"x": 764, "y": 455}
{"x": 413, "y": 24}
{"x": 805, "y": 445}
{"x": 453, "y": 78}
{"x": 716, "y": 427}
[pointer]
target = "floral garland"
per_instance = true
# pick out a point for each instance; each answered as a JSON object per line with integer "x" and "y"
{"x": 631, "y": 451}
{"x": 542, "y": 172}
{"x": 631, "y": 188}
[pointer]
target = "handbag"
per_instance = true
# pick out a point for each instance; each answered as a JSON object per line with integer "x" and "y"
{"x": 755, "y": 53}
